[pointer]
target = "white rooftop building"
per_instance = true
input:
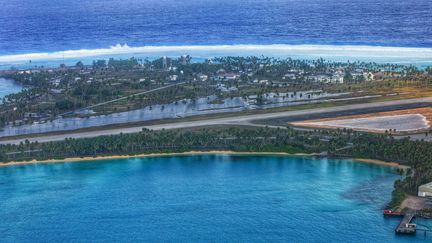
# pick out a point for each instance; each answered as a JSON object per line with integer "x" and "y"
{"x": 425, "y": 190}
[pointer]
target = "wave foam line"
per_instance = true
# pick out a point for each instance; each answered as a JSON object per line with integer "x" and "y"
{"x": 277, "y": 49}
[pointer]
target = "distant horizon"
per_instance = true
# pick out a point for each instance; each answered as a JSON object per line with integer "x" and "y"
{"x": 216, "y": 120}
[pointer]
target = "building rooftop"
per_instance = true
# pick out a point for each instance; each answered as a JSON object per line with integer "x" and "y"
{"x": 426, "y": 187}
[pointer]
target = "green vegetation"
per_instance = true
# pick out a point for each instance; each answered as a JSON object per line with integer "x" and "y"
{"x": 235, "y": 139}
{"x": 346, "y": 143}
{"x": 109, "y": 86}
{"x": 355, "y": 144}
{"x": 417, "y": 154}
{"x": 398, "y": 196}
{"x": 51, "y": 92}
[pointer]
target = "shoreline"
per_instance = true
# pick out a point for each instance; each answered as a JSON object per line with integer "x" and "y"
{"x": 382, "y": 163}
{"x": 349, "y": 50}
{"x": 112, "y": 157}
{"x": 419, "y": 56}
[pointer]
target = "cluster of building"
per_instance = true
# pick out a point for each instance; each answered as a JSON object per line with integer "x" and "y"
{"x": 337, "y": 76}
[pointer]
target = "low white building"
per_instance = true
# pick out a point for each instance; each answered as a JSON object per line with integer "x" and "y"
{"x": 231, "y": 76}
{"x": 289, "y": 76}
{"x": 203, "y": 77}
{"x": 55, "y": 82}
{"x": 222, "y": 75}
{"x": 425, "y": 190}
{"x": 336, "y": 79}
{"x": 369, "y": 76}
{"x": 173, "y": 78}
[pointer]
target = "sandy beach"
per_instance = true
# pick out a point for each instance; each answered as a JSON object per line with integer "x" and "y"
{"x": 380, "y": 162}
{"x": 99, "y": 158}
{"x": 88, "y": 159}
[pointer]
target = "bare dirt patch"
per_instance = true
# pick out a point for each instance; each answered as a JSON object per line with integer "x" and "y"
{"x": 413, "y": 202}
{"x": 403, "y": 121}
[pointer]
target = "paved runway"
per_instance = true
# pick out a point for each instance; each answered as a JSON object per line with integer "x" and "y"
{"x": 234, "y": 120}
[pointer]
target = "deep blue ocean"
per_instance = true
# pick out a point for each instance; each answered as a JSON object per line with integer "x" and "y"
{"x": 203, "y": 198}
{"x": 47, "y": 26}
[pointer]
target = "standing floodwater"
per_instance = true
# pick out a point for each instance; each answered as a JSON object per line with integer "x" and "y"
{"x": 8, "y": 86}
{"x": 198, "y": 198}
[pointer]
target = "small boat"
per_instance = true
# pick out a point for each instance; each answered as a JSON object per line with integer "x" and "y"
{"x": 389, "y": 212}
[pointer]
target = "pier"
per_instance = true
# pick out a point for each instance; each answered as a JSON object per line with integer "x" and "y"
{"x": 405, "y": 226}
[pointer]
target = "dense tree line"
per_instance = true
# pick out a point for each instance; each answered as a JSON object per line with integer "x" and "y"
{"x": 236, "y": 139}
{"x": 416, "y": 154}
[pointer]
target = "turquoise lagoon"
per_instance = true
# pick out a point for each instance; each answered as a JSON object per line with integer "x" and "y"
{"x": 198, "y": 198}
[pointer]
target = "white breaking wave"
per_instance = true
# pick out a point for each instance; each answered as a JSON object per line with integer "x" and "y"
{"x": 396, "y": 54}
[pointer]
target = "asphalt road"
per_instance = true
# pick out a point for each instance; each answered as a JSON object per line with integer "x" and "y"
{"x": 235, "y": 120}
